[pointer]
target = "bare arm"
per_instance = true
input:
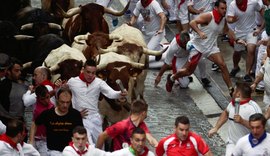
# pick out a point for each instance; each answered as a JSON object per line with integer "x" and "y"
{"x": 33, "y": 130}
{"x": 202, "y": 19}
{"x": 194, "y": 11}
{"x": 101, "y": 139}
{"x": 222, "y": 119}
{"x": 132, "y": 20}
{"x": 163, "y": 20}
{"x": 161, "y": 72}
{"x": 257, "y": 80}
{"x": 153, "y": 142}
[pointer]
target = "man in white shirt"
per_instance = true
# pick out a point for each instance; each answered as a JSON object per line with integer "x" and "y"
{"x": 79, "y": 146}
{"x": 243, "y": 14}
{"x": 257, "y": 142}
{"x": 86, "y": 89}
{"x": 238, "y": 123}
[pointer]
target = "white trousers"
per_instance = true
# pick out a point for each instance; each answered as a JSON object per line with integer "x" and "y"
{"x": 93, "y": 126}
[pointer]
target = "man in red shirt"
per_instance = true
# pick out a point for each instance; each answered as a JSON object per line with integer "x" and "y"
{"x": 183, "y": 141}
{"x": 121, "y": 131}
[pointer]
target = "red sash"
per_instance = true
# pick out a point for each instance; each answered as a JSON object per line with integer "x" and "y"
{"x": 6, "y": 139}
{"x": 217, "y": 16}
{"x": 241, "y": 102}
{"x": 77, "y": 151}
{"x": 243, "y": 5}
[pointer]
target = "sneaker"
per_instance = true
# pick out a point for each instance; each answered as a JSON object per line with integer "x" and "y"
{"x": 247, "y": 78}
{"x": 259, "y": 91}
{"x": 234, "y": 71}
{"x": 225, "y": 38}
{"x": 206, "y": 82}
{"x": 215, "y": 67}
{"x": 115, "y": 22}
{"x": 169, "y": 83}
{"x": 190, "y": 78}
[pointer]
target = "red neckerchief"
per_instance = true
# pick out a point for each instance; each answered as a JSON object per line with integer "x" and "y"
{"x": 243, "y": 5}
{"x": 145, "y": 4}
{"x": 181, "y": 2}
{"x": 241, "y": 102}
{"x": 47, "y": 82}
{"x": 6, "y": 139}
{"x": 178, "y": 40}
{"x": 81, "y": 76}
{"x": 217, "y": 16}
{"x": 79, "y": 152}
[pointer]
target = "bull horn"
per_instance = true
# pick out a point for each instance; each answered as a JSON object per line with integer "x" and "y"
{"x": 116, "y": 37}
{"x": 23, "y": 37}
{"x": 112, "y": 49}
{"x": 137, "y": 65}
{"x": 81, "y": 37}
{"x": 27, "y": 26}
{"x": 55, "y": 26}
{"x": 101, "y": 67}
{"x": 27, "y": 65}
{"x": 154, "y": 52}
{"x": 54, "y": 68}
{"x": 70, "y": 12}
{"x": 115, "y": 13}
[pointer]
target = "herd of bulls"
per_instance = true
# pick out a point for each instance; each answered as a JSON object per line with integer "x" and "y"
{"x": 62, "y": 37}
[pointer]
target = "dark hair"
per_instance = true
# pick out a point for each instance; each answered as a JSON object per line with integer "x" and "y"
{"x": 14, "y": 127}
{"x": 138, "y": 106}
{"x": 258, "y": 117}
{"x": 79, "y": 129}
{"x": 184, "y": 35}
{"x": 61, "y": 90}
{"x": 217, "y": 3}
{"x": 41, "y": 91}
{"x": 14, "y": 61}
{"x": 137, "y": 130}
{"x": 244, "y": 89}
{"x": 90, "y": 62}
{"x": 181, "y": 119}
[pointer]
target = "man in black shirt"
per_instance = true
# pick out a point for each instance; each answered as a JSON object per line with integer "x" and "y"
{"x": 59, "y": 122}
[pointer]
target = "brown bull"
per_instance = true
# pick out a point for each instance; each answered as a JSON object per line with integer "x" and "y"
{"x": 116, "y": 110}
{"x": 87, "y": 18}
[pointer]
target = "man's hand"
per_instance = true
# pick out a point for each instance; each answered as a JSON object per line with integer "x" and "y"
{"x": 157, "y": 80}
{"x": 124, "y": 93}
{"x": 31, "y": 88}
{"x": 253, "y": 86}
{"x": 212, "y": 132}
{"x": 158, "y": 32}
{"x": 237, "y": 119}
{"x": 84, "y": 113}
{"x": 240, "y": 41}
{"x": 202, "y": 35}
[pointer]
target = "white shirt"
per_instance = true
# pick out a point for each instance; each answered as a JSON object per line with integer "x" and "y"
{"x": 30, "y": 98}
{"x": 126, "y": 152}
{"x": 243, "y": 147}
{"x": 212, "y": 30}
{"x": 265, "y": 70}
{"x": 151, "y": 19}
{"x": 92, "y": 151}
{"x": 236, "y": 130}
{"x": 246, "y": 20}
{"x": 25, "y": 150}
{"x": 84, "y": 96}
{"x": 175, "y": 50}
